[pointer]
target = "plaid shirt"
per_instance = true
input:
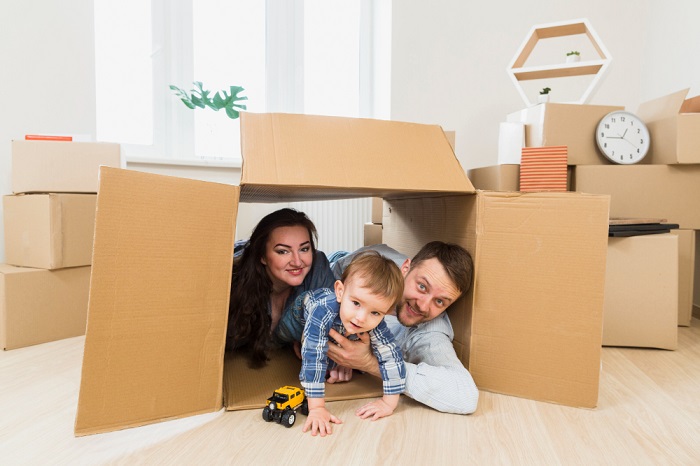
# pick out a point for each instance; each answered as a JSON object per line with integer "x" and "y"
{"x": 321, "y": 313}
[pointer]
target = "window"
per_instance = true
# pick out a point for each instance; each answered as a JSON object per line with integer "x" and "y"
{"x": 299, "y": 56}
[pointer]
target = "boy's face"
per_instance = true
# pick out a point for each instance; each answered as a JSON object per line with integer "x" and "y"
{"x": 360, "y": 310}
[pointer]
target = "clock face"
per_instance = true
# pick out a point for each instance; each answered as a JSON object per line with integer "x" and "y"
{"x": 622, "y": 137}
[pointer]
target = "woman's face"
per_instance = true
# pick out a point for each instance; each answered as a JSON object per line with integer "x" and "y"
{"x": 288, "y": 256}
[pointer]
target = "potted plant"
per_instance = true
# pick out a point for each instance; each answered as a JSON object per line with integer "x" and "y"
{"x": 544, "y": 95}
{"x": 573, "y": 56}
{"x": 200, "y": 97}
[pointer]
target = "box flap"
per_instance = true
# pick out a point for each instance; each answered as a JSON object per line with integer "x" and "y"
{"x": 691, "y": 105}
{"x": 158, "y": 305}
{"x": 298, "y": 157}
{"x": 662, "y": 107}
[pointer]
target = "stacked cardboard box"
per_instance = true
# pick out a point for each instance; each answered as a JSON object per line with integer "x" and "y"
{"x": 49, "y": 223}
{"x": 666, "y": 184}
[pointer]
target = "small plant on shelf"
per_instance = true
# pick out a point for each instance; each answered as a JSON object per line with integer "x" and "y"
{"x": 573, "y": 56}
{"x": 544, "y": 95}
{"x": 202, "y": 98}
{"x": 545, "y": 91}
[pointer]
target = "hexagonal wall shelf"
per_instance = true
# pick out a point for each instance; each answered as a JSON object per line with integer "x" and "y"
{"x": 519, "y": 72}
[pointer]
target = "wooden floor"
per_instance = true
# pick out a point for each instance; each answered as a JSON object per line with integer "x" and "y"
{"x": 648, "y": 413}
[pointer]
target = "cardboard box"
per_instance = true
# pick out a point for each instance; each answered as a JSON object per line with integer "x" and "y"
{"x": 511, "y": 140}
{"x": 38, "y": 306}
{"x": 674, "y": 127}
{"x": 641, "y": 292}
{"x": 60, "y": 167}
{"x": 49, "y": 231}
{"x": 373, "y": 234}
{"x": 651, "y": 191}
{"x": 496, "y": 177}
{"x": 696, "y": 280}
{"x": 569, "y": 125}
{"x": 686, "y": 275}
{"x": 377, "y": 209}
{"x": 154, "y": 347}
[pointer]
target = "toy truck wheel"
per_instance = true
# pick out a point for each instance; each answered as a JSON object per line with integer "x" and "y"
{"x": 267, "y": 414}
{"x": 305, "y": 408}
{"x": 288, "y": 418}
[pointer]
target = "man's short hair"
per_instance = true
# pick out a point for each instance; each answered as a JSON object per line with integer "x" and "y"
{"x": 454, "y": 258}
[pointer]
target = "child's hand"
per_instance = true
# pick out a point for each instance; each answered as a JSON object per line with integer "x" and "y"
{"x": 319, "y": 421}
{"x": 376, "y": 409}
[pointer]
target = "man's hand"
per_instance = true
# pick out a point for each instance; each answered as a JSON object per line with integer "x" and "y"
{"x": 353, "y": 354}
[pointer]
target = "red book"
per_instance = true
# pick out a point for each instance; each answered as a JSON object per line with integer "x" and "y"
{"x": 42, "y": 137}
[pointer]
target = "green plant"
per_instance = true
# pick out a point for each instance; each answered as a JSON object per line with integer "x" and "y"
{"x": 545, "y": 91}
{"x": 573, "y": 52}
{"x": 200, "y": 97}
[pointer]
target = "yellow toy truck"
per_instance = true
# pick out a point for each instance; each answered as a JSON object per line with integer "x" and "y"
{"x": 283, "y": 405}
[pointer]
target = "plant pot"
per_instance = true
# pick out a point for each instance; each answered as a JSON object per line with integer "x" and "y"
{"x": 573, "y": 58}
{"x": 543, "y": 98}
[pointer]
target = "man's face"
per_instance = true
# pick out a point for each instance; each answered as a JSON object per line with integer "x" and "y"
{"x": 428, "y": 292}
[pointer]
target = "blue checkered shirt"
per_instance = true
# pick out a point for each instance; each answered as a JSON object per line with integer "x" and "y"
{"x": 321, "y": 313}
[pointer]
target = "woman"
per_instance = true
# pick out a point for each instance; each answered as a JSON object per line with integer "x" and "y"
{"x": 277, "y": 264}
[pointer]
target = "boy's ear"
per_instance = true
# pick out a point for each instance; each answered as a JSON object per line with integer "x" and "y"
{"x": 339, "y": 289}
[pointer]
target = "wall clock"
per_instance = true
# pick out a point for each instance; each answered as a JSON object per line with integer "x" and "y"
{"x": 622, "y": 137}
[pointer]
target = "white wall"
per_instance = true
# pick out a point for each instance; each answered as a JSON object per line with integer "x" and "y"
{"x": 449, "y": 60}
{"x": 48, "y": 74}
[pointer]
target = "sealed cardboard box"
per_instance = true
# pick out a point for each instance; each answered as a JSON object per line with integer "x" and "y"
{"x": 161, "y": 270}
{"x": 674, "y": 128}
{"x": 641, "y": 292}
{"x": 38, "y": 306}
{"x": 60, "y": 166}
{"x": 49, "y": 231}
{"x": 686, "y": 274}
{"x": 373, "y": 234}
{"x": 571, "y": 125}
{"x": 496, "y": 177}
{"x": 377, "y": 209}
{"x": 646, "y": 191}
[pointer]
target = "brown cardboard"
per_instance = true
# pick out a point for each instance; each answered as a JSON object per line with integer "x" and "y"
{"x": 331, "y": 161}
{"x": 377, "y": 209}
{"x": 686, "y": 275}
{"x": 49, "y": 231}
{"x": 641, "y": 292}
{"x": 571, "y": 125}
{"x": 674, "y": 128}
{"x": 159, "y": 294}
{"x": 496, "y": 177}
{"x": 696, "y": 279}
{"x": 660, "y": 191}
{"x": 162, "y": 265}
{"x": 245, "y": 388}
{"x": 38, "y": 306}
{"x": 373, "y": 234}
{"x": 58, "y": 166}
{"x": 531, "y": 326}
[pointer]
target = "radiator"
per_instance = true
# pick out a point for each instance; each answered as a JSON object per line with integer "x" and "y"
{"x": 340, "y": 223}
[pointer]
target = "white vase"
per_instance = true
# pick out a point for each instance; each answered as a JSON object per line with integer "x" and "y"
{"x": 543, "y": 98}
{"x": 573, "y": 58}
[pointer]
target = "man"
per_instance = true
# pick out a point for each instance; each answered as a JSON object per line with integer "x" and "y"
{"x": 436, "y": 277}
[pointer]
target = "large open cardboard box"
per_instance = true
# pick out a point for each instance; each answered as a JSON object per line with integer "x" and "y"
{"x": 674, "y": 128}
{"x": 154, "y": 348}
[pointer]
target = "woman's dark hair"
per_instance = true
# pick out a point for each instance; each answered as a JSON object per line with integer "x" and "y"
{"x": 249, "y": 321}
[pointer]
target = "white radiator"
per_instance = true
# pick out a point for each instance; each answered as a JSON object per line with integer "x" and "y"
{"x": 340, "y": 223}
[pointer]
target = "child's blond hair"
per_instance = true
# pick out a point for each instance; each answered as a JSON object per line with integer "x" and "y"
{"x": 380, "y": 275}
